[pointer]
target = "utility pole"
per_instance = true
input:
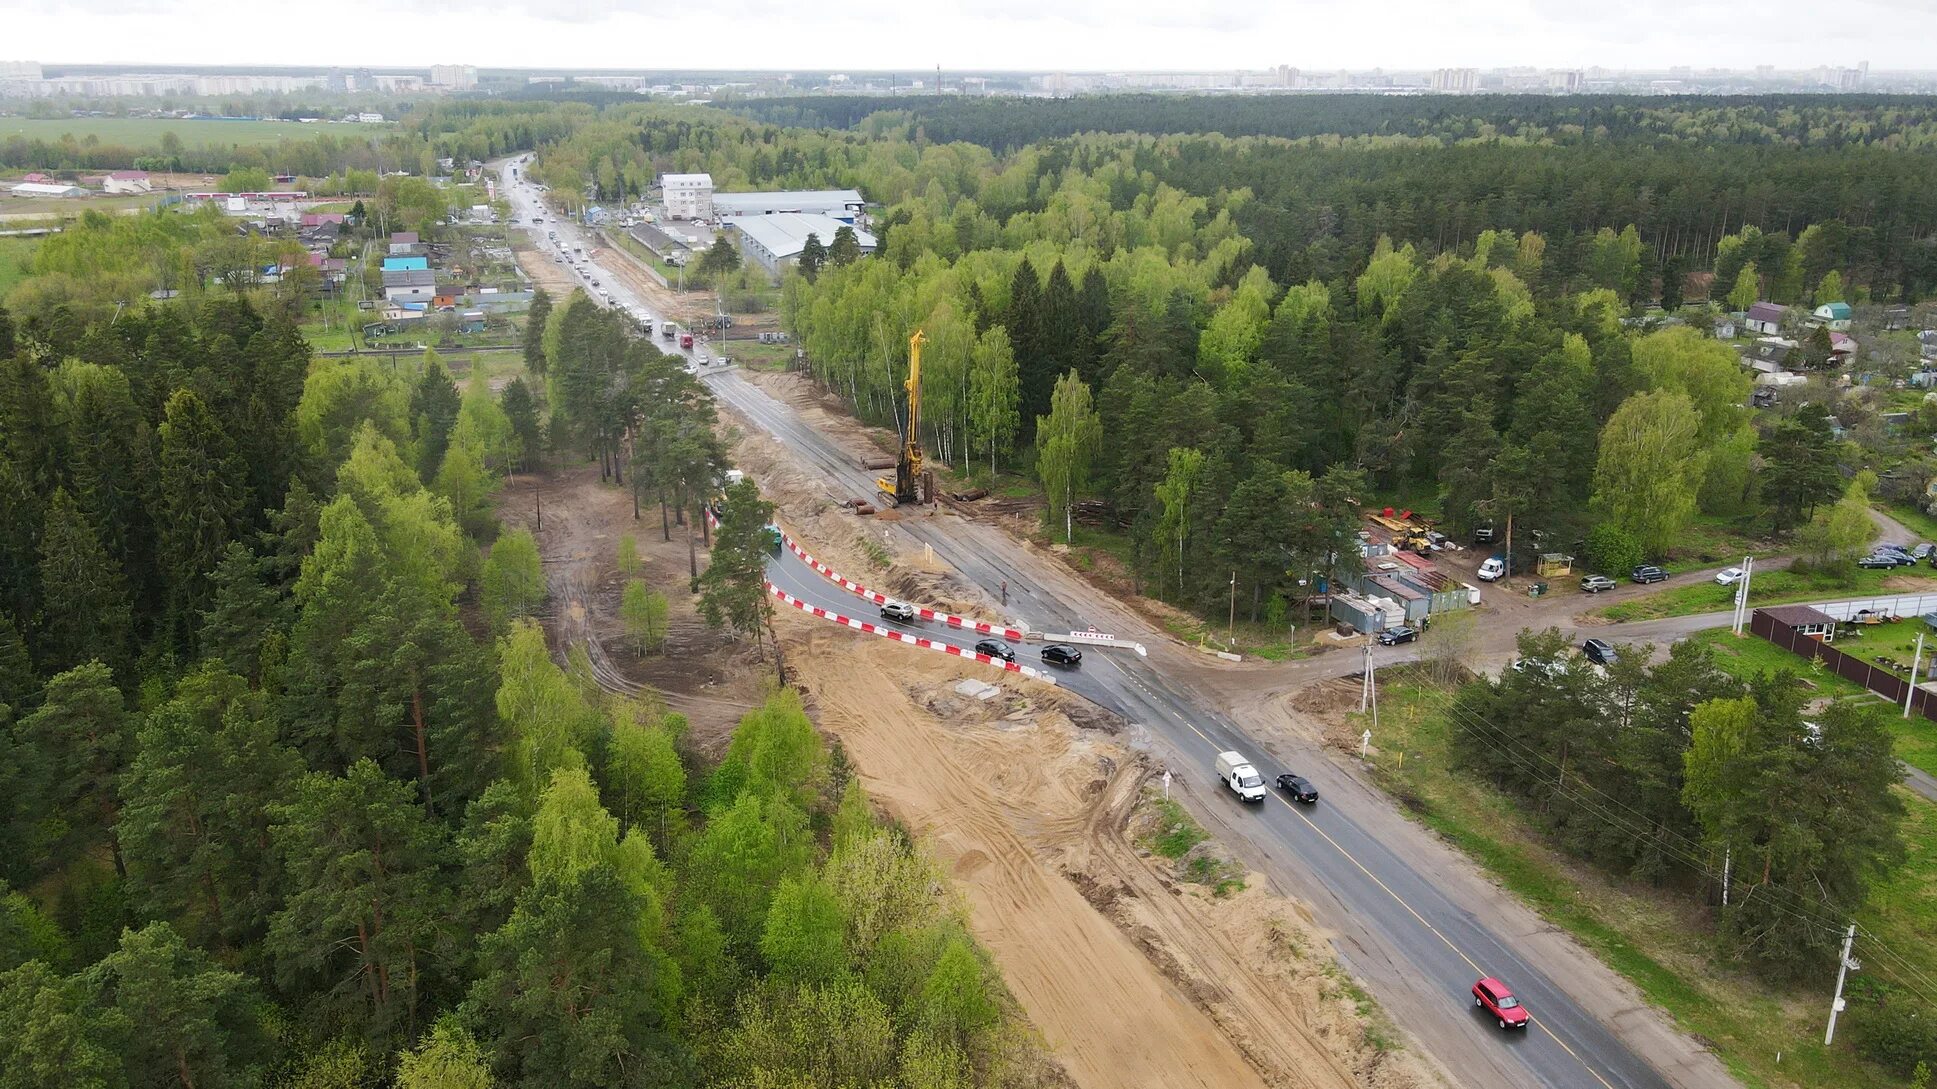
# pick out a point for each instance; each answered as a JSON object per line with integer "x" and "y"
{"x": 1842, "y": 970}
{"x": 1230, "y": 622}
{"x": 1916, "y": 663}
{"x": 1742, "y": 595}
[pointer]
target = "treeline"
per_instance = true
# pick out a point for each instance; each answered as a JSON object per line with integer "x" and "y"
{"x": 457, "y": 128}
{"x": 293, "y": 793}
{"x": 1778, "y": 819}
{"x": 1008, "y": 124}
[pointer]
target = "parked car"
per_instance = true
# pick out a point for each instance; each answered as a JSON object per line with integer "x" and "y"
{"x": 1062, "y": 654}
{"x": 1599, "y": 651}
{"x": 1392, "y": 637}
{"x": 900, "y": 612}
{"x": 1923, "y": 551}
{"x": 996, "y": 648}
{"x": 1729, "y": 576}
{"x": 1594, "y": 584}
{"x": 1875, "y": 561}
{"x": 1648, "y": 572}
{"x": 1497, "y": 1000}
{"x": 1550, "y": 668}
{"x": 1492, "y": 568}
{"x": 1483, "y": 534}
{"x": 1298, "y": 787}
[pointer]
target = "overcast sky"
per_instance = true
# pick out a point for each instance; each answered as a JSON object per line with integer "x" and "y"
{"x": 916, "y": 35}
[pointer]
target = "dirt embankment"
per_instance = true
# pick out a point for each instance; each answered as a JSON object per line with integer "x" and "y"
{"x": 1134, "y": 978}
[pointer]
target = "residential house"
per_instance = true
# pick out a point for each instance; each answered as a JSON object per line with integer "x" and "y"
{"x": 1765, "y": 317}
{"x": 1836, "y": 315}
{"x": 414, "y": 284}
{"x": 1770, "y": 355}
{"x": 1927, "y": 344}
{"x": 403, "y": 238}
{"x": 127, "y": 181}
{"x": 1801, "y": 620}
{"x": 471, "y": 321}
{"x": 1725, "y": 329}
{"x": 1896, "y": 317}
{"x": 1842, "y": 349}
{"x": 37, "y": 178}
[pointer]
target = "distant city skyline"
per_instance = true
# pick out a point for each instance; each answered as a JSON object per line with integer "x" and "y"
{"x": 1087, "y": 36}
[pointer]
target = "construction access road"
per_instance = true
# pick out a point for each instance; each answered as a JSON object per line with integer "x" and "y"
{"x": 1408, "y": 916}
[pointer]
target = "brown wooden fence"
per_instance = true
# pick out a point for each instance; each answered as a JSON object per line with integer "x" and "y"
{"x": 1884, "y": 682}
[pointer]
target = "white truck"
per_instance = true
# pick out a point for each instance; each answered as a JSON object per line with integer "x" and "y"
{"x": 1240, "y": 776}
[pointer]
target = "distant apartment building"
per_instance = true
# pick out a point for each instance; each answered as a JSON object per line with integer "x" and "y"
{"x": 687, "y": 196}
{"x": 457, "y": 77}
{"x": 1456, "y": 81}
{"x": 20, "y": 70}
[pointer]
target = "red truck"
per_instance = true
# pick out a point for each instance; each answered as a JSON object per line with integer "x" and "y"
{"x": 686, "y": 340}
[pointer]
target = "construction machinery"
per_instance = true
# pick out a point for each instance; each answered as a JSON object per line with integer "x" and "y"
{"x": 906, "y": 486}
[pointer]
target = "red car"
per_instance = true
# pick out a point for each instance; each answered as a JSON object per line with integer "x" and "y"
{"x": 1492, "y": 996}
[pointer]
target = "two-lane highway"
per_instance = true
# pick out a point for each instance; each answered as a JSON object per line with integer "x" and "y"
{"x": 1351, "y": 857}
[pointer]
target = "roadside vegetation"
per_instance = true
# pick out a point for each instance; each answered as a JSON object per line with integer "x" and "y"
{"x": 1577, "y": 855}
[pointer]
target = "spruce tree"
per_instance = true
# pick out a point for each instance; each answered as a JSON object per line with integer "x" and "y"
{"x": 522, "y": 411}
{"x": 198, "y": 503}
{"x": 86, "y": 615}
{"x": 434, "y": 404}
{"x": 535, "y": 318}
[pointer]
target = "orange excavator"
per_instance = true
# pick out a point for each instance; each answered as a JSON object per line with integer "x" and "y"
{"x": 906, "y": 486}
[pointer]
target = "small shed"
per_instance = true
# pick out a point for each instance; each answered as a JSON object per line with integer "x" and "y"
{"x": 1554, "y": 563}
{"x": 1765, "y": 317}
{"x": 1802, "y": 620}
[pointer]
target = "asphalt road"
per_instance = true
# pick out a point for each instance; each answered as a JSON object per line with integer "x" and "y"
{"x": 1330, "y": 851}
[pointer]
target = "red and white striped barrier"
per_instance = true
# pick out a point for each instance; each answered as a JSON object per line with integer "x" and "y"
{"x": 903, "y": 637}
{"x": 980, "y": 627}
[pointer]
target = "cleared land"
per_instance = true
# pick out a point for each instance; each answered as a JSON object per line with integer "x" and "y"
{"x": 147, "y": 131}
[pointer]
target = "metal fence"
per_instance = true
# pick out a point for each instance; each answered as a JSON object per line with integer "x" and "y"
{"x": 1884, "y": 682}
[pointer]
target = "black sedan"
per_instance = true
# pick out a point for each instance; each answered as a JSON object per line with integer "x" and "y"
{"x": 1392, "y": 637}
{"x": 996, "y": 648}
{"x": 1298, "y": 787}
{"x": 1062, "y": 654}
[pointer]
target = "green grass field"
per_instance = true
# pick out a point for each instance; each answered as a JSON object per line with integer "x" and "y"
{"x": 1768, "y": 588}
{"x": 146, "y": 131}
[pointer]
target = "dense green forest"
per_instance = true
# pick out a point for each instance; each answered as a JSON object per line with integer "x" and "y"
{"x": 1008, "y": 124}
{"x": 294, "y": 793}
{"x": 1422, "y": 301}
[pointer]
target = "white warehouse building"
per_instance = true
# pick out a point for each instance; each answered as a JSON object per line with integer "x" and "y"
{"x": 776, "y": 240}
{"x": 842, "y": 204}
{"x": 687, "y": 196}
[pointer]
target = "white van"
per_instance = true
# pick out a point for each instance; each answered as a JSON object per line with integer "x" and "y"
{"x": 1492, "y": 568}
{"x": 1240, "y": 776}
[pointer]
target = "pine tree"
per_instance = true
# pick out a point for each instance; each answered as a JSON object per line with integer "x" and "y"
{"x": 365, "y": 899}
{"x": 87, "y": 617}
{"x": 198, "y": 505}
{"x": 75, "y": 747}
{"x": 813, "y": 254}
{"x": 30, "y": 431}
{"x": 733, "y": 591}
{"x": 845, "y": 249}
{"x": 199, "y": 1024}
{"x": 18, "y": 684}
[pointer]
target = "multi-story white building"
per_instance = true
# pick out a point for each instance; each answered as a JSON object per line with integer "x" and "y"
{"x": 1456, "y": 81}
{"x": 458, "y": 77}
{"x": 687, "y": 196}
